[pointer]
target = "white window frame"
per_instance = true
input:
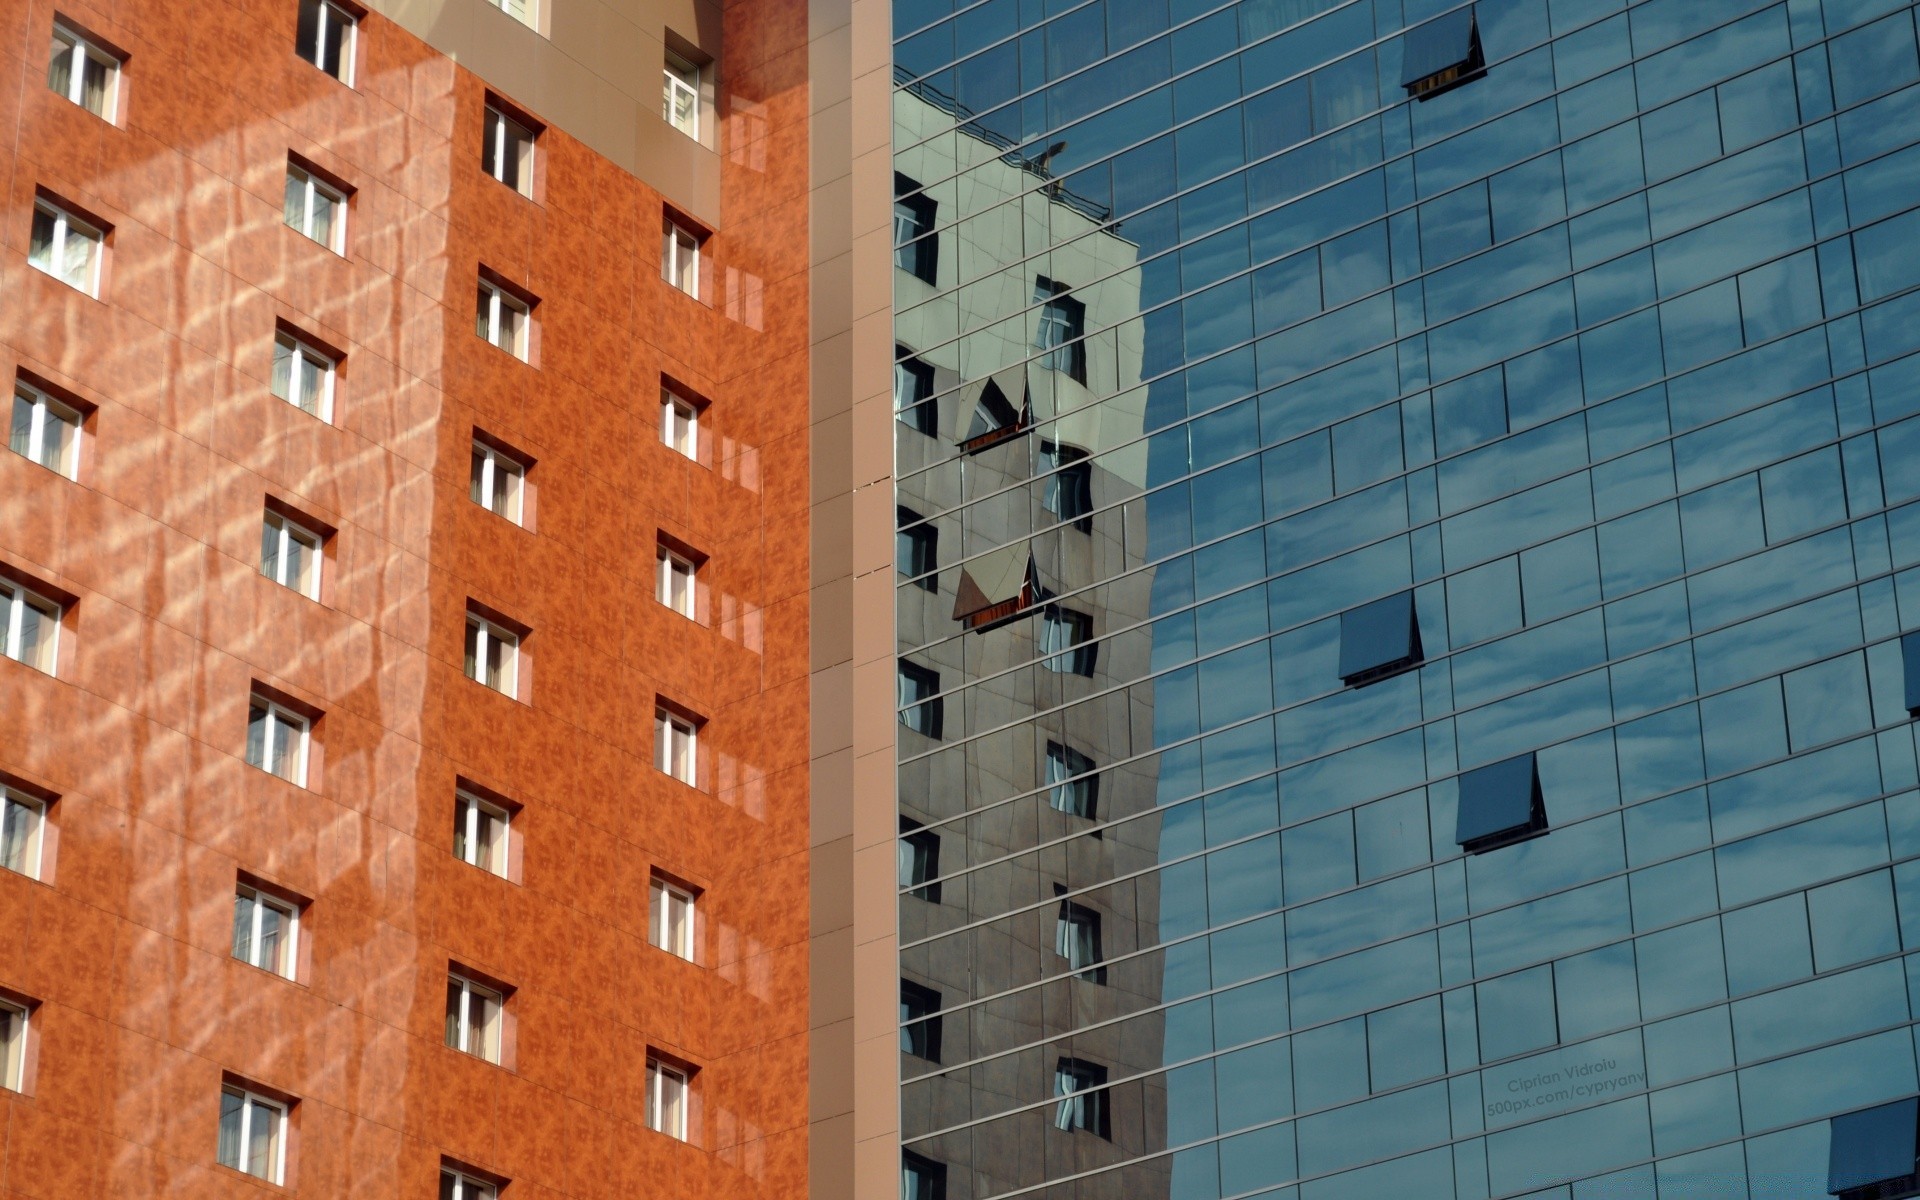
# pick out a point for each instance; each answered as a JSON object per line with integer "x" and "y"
{"x": 304, "y": 359}
{"x": 15, "y": 1022}
{"x": 254, "y": 1106}
{"x": 67, "y": 227}
{"x": 529, "y": 14}
{"x": 679, "y": 578}
{"x": 499, "y": 132}
{"x": 289, "y": 912}
{"x": 682, "y": 82}
{"x": 492, "y": 466}
{"x": 315, "y": 188}
{"x": 666, "y": 901}
{"x": 675, "y": 736}
{"x": 465, "y": 1186}
{"x": 680, "y": 424}
{"x": 490, "y": 1033}
{"x": 668, "y": 1083}
{"x": 680, "y": 258}
{"x": 45, "y": 410}
{"x": 290, "y": 532}
{"x": 15, "y": 600}
{"x": 83, "y": 51}
{"x": 482, "y": 632}
{"x": 344, "y": 27}
{"x": 510, "y": 336}
{"x": 280, "y": 718}
{"x": 17, "y": 807}
{"x": 471, "y": 817}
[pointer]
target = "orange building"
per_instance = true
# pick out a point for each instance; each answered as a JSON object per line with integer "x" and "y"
{"x": 404, "y": 552}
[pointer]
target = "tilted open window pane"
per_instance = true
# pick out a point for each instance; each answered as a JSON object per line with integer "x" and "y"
{"x": 1500, "y": 804}
{"x": 1378, "y": 640}
{"x": 29, "y": 627}
{"x": 325, "y": 38}
{"x": 1442, "y": 54}
{"x": 44, "y": 430}
{"x": 1872, "y": 1153}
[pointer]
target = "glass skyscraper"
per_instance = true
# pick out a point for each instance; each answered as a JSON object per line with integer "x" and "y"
{"x": 1407, "y": 516}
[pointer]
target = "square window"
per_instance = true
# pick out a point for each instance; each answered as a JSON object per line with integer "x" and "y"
{"x": 290, "y": 554}
{"x": 916, "y": 250}
{"x": 1066, "y": 639}
{"x": 520, "y": 10}
{"x": 481, "y": 830}
{"x": 66, "y": 247}
{"x": 13, "y": 1045}
{"x": 1872, "y": 1152}
{"x": 922, "y": 1178}
{"x": 315, "y": 208}
{"x": 303, "y": 375}
{"x": 1083, "y": 1105}
{"x": 1076, "y": 938}
{"x": 45, "y": 430}
{"x": 506, "y": 150}
{"x": 667, "y": 1088}
{"x": 1910, "y": 660}
{"x": 1378, "y": 640}
{"x": 676, "y": 746}
{"x": 917, "y": 546}
{"x": 31, "y": 629}
{"x": 23, "y": 822}
{"x": 474, "y": 1017}
{"x": 1062, "y": 330}
{"x": 458, "y": 1185}
{"x": 677, "y": 574}
{"x": 325, "y": 38}
{"x": 493, "y": 654}
{"x": 919, "y": 1021}
{"x": 680, "y": 101}
{"x": 266, "y": 931}
{"x": 1069, "y": 486}
{"x": 84, "y": 72}
{"x": 253, "y": 1134}
{"x": 277, "y": 740}
{"x": 680, "y": 257}
{"x": 497, "y": 480}
{"x": 680, "y": 423}
{"x": 1500, "y": 804}
{"x": 919, "y": 860}
{"x": 1442, "y": 54}
{"x": 913, "y": 400}
{"x": 670, "y": 918}
{"x": 921, "y": 706}
{"x": 1072, "y": 788}
{"x": 503, "y": 318}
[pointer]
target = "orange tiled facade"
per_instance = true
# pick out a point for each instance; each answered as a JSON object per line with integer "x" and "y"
{"x": 122, "y": 949}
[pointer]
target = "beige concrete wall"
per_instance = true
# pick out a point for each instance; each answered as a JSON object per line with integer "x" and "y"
{"x": 593, "y": 68}
{"x": 855, "y": 1144}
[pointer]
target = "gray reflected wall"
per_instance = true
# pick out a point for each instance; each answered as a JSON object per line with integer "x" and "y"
{"x": 1609, "y": 358}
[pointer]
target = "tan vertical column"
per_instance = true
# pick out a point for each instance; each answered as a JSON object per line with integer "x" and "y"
{"x": 854, "y": 1082}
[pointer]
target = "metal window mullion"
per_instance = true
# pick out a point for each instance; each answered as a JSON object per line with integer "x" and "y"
{"x": 60, "y": 232}
{"x": 473, "y": 833}
{"x": 37, "y": 429}
{"x": 320, "y": 37}
{"x": 486, "y": 477}
{"x": 76, "y": 82}
{"x": 499, "y": 147}
{"x": 272, "y": 734}
{"x": 16, "y": 618}
{"x": 306, "y": 219}
{"x": 246, "y": 1131}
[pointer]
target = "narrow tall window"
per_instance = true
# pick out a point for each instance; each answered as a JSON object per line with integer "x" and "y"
{"x": 520, "y": 10}
{"x": 676, "y": 584}
{"x": 290, "y": 554}
{"x": 671, "y": 919}
{"x": 31, "y": 627}
{"x": 913, "y": 393}
{"x": 506, "y": 151}
{"x": 666, "y": 1098}
{"x": 1071, "y": 788}
{"x": 303, "y": 375}
{"x": 473, "y": 1017}
{"x": 919, "y": 860}
{"x": 266, "y": 931}
{"x": 680, "y": 101}
{"x": 1066, "y": 640}
{"x": 316, "y": 208}
{"x": 497, "y": 480}
{"x": 44, "y": 430}
{"x": 325, "y": 38}
{"x": 480, "y": 833}
{"x": 458, "y": 1185}
{"x": 1069, "y": 488}
{"x": 13, "y": 1045}
{"x": 1083, "y": 1105}
{"x": 919, "y": 1021}
{"x": 680, "y": 257}
{"x": 277, "y": 740}
{"x": 915, "y": 248}
{"x": 921, "y": 707}
{"x": 680, "y": 423}
{"x": 84, "y": 73}
{"x": 253, "y": 1134}
{"x": 1063, "y": 326}
{"x": 1076, "y": 938}
{"x": 493, "y": 654}
{"x": 917, "y": 546}
{"x": 676, "y": 746}
{"x": 22, "y": 823}
{"x": 65, "y": 247}
{"x": 503, "y": 318}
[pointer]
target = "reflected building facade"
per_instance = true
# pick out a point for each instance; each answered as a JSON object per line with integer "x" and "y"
{"x": 1444, "y": 471}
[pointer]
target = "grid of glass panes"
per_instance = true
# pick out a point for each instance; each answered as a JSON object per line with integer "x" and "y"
{"x": 1612, "y": 364}
{"x": 44, "y": 430}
